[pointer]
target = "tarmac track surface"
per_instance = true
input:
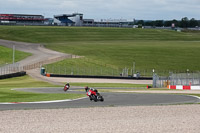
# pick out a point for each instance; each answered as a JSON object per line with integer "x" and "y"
{"x": 39, "y": 53}
{"x": 111, "y": 100}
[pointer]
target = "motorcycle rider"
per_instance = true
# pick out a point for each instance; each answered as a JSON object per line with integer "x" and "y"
{"x": 67, "y": 85}
{"x": 91, "y": 89}
{"x": 93, "y": 94}
{"x": 90, "y": 92}
{"x": 86, "y": 89}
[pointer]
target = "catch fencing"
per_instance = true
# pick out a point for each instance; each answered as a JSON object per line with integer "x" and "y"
{"x": 187, "y": 79}
{"x": 16, "y": 67}
{"x": 10, "y": 68}
{"x": 160, "y": 81}
{"x": 96, "y": 71}
{"x": 102, "y": 70}
{"x": 41, "y": 63}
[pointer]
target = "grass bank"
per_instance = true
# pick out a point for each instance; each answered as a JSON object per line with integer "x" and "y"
{"x": 6, "y": 55}
{"x": 115, "y": 48}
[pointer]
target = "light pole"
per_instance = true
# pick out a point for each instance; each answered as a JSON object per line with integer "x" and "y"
{"x": 13, "y": 54}
{"x": 133, "y": 71}
{"x": 154, "y": 79}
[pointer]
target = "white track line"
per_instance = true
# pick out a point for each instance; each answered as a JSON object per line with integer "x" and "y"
{"x": 194, "y": 96}
{"x": 56, "y": 101}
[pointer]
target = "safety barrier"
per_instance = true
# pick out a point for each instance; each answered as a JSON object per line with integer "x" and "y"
{"x": 105, "y": 77}
{"x": 183, "y": 87}
{"x": 17, "y": 74}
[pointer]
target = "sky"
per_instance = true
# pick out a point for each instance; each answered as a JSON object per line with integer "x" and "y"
{"x": 107, "y": 9}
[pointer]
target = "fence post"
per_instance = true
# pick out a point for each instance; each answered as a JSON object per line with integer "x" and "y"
{"x": 59, "y": 70}
{"x": 154, "y": 80}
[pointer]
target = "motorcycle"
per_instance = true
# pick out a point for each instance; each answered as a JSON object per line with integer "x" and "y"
{"x": 94, "y": 95}
{"x": 66, "y": 87}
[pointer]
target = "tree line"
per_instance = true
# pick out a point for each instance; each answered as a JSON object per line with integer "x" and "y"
{"x": 183, "y": 23}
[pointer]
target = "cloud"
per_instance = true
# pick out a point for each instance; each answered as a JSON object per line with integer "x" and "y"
{"x": 141, "y": 9}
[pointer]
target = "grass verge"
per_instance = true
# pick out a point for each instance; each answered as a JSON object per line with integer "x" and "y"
{"x": 8, "y": 95}
{"x": 6, "y": 55}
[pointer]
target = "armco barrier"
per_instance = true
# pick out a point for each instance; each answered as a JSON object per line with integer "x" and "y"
{"x": 105, "y": 77}
{"x": 17, "y": 74}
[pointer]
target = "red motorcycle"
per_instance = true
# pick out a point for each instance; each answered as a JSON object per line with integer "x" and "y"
{"x": 66, "y": 87}
{"x": 94, "y": 95}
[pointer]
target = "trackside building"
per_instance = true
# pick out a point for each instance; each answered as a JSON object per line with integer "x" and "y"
{"x": 75, "y": 19}
{"x": 21, "y": 19}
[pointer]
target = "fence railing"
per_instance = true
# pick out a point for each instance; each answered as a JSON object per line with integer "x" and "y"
{"x": 13, "y": 68}
{"x": 104, "y": 70}
{"x": 41, "y": 63}
{"x": 10, "y": 68}
{"x": 187, "y": 79}
{"x": 160, "y": 81}
{"x": 96, "y": 71}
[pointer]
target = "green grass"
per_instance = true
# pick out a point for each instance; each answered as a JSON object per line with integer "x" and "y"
{"x": 8, "y": 95}
{"x": 115, "y": 48}
{"x": 6, "y": 55}
{"x": 147, "y": 55}
{"x": 66, "y": 34}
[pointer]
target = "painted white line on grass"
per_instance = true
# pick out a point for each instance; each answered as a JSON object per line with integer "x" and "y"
{"x": 56, "y": 101}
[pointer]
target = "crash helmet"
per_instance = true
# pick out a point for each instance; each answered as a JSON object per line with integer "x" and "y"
{"x": 86, "y": 87}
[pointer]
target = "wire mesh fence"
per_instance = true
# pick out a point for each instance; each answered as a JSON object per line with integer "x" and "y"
{"x": 186, "y": 79}
{"x": 16, "y": 67}
{"x": 64, "y": 70}
{"x": 160, "y": 81}
{"x": 96, "y": 71}
{"x": 10, "y": 68}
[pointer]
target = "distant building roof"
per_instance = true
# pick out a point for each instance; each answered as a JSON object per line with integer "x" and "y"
{"x": 67, "y": 15}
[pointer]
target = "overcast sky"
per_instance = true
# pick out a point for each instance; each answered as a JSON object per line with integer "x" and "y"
{"x": 106, "y": 9}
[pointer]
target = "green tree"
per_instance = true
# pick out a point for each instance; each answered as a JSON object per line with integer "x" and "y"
{"x": 140, "y": 22}
{"x": 149, "y": 23}
{"x": 177, "y": 23}
{"x": 193, "y": 23}
{"x": 158, "y": 23}
{"x": 184, "y": 22}
{"x": 167, "y": 23}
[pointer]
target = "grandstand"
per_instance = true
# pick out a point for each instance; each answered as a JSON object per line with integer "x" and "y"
{"x": 75, "y": 19}
{"x": 21, "y": 19}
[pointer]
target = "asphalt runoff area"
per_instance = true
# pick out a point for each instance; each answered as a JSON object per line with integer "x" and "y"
{"x": 112, "y": 99}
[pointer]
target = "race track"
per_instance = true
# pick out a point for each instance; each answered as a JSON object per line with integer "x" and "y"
{"x": 40, "y": 53}
{"x": 111, "y": 99}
